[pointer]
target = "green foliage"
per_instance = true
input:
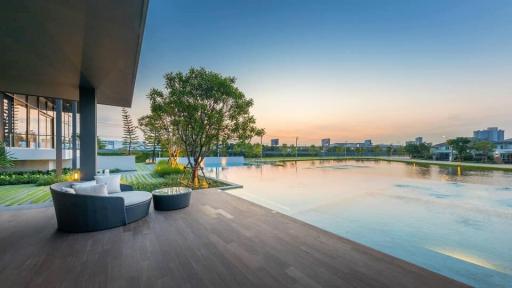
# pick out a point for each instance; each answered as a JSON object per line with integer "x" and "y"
{"x": 100, "y": 144}
{"x": 412, "y": 149}
{"x": 247, "y": 150}
{"x": 460, "y": 145}
{"x": 422, "y": 150}
{"x": 27, "y": 177}
{"x": 46, "y": 180}
{"x": 6, "y": 159}
{"x": 176, "y": 180}
{"x": 129, "y": 130}
{"x": 484, "y": 148}
{"x": 163, "y": 168}
{"x": 204, "y": 109}
{"x": 141, "y": 157}
{"x": 151, "y": 128}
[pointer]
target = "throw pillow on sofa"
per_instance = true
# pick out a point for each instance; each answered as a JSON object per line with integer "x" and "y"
{"x": 113, "y": 182}
{"x": 83, "y": 184}
{"x": 68, "y": 190}
{"x": 94, "y": 190}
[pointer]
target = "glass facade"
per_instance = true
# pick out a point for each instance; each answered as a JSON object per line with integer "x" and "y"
{"x": 29, "y": 122}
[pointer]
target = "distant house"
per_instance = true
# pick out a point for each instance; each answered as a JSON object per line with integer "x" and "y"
{"x": 503, "y": 151}
{"x": 442, "y": 152}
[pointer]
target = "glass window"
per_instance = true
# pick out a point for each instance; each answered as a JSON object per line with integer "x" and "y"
{"x": 32, "y": 101}
{"x": 50, "y": 108}
{"x": 33, "y": 127}
{"x": 20, "y": 124}
{"x": 42, "y": 104}
{"x": 22, "y": 98}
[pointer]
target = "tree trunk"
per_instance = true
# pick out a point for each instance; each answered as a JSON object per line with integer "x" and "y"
{"x": 173, "y": 156}
{"x": 195, "y": 175}
{"x": 153, "y": 156}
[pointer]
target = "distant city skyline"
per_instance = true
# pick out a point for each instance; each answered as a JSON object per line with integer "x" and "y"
{"x": 346, "y": 70}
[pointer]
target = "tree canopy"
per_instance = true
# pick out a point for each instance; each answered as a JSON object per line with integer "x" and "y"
{"x": 204, "y": 109}
{"x": 459, "y": 145}
{"x": 150, "y": 127}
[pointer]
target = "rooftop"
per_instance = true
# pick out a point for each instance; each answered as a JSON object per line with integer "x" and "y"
{"x": 219, "y": 241}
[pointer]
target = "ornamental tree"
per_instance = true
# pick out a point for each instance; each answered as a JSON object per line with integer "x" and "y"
{"x": 162, "y": 118}
{"x": 151, "y": 130}
{"x": 204, "y": 108}
{"x": 129, "y": 130}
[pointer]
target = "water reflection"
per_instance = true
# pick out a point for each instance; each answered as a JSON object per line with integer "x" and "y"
{"x": 458, "y": 223}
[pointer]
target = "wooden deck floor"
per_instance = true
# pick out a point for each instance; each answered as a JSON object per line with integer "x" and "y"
{"x": 219, "y": 241}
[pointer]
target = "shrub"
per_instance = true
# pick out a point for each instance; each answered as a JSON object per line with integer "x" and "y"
{"x": 46, "y": 180}
{"x": 163, "y": 168}
{"x": 28, "y": 177}
{"x": 141, "y": 157}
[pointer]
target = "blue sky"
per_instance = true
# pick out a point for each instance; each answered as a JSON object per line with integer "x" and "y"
{"x": 348, "y": 70}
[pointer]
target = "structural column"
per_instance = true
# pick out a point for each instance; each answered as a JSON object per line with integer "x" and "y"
{"x": 73, "y": 135}
{"x": 88, "y": 134}
{"x": 58, "y": 136}
{"x": 10, "y": 127}
{"x": 2, "y": 125}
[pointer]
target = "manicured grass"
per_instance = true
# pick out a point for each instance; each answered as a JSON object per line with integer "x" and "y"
{"x": 23, "y": 194}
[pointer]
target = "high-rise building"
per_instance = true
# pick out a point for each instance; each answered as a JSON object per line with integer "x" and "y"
{"x": 274, "y": 142}
{"x": 326, "y": 142}
{"x": 492, "y": 134}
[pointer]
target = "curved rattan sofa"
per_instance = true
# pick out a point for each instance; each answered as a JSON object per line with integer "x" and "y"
{"x": 87, "y": 213}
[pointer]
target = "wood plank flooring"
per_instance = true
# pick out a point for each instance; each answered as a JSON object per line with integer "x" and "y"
{"x": 219, "y": 241}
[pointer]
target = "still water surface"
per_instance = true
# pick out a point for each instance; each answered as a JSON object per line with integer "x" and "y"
{"x": 457, "y": 223}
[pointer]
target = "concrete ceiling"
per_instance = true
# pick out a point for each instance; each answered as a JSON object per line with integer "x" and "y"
{"x": 52, "y": 47}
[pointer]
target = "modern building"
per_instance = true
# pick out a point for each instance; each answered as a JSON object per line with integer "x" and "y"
{"x": 365, "y": 144}
{"x": 61, "y": 59}
{"x": 274, "y": 142}
{"x": 29, "y": 130}
{"x": 325, "y": 143}
{"x": 416, "y": 141}
{"x": 492, "y": 134}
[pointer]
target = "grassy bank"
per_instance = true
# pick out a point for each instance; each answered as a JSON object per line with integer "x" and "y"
{"x": 465, "y": 165}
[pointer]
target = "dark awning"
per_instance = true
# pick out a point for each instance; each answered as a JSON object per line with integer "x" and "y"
{"x": 51, "y": 47}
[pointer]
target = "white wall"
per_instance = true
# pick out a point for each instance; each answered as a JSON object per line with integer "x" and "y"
{"x": 37, "y": 154}
{"x": 116, "y": 162}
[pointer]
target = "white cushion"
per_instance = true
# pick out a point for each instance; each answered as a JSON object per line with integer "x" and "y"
{"x": 87, "y": 183}
{"x": 68, "y": 190}
{"x": 133, "y": 197}
{"x": 113, "y": 182}
{"x": 96, "y": 190}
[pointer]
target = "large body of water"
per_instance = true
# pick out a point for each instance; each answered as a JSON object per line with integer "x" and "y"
{"x": 457, "y": 223}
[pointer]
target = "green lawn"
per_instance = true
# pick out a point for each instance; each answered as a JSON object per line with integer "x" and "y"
{"x": 142, "y": 179}
{"x": 23, "y": 194}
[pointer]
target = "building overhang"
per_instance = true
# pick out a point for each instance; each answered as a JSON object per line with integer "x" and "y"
{"x": 52, "y": 48}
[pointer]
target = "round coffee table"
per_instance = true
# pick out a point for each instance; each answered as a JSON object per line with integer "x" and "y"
{"x": 172, "y": 198}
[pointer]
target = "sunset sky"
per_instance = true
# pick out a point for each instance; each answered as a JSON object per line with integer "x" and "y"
{"x": 345, "y": 70}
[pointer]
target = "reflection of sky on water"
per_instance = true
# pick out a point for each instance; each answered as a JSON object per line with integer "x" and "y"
{"x": 460, "y": 226}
